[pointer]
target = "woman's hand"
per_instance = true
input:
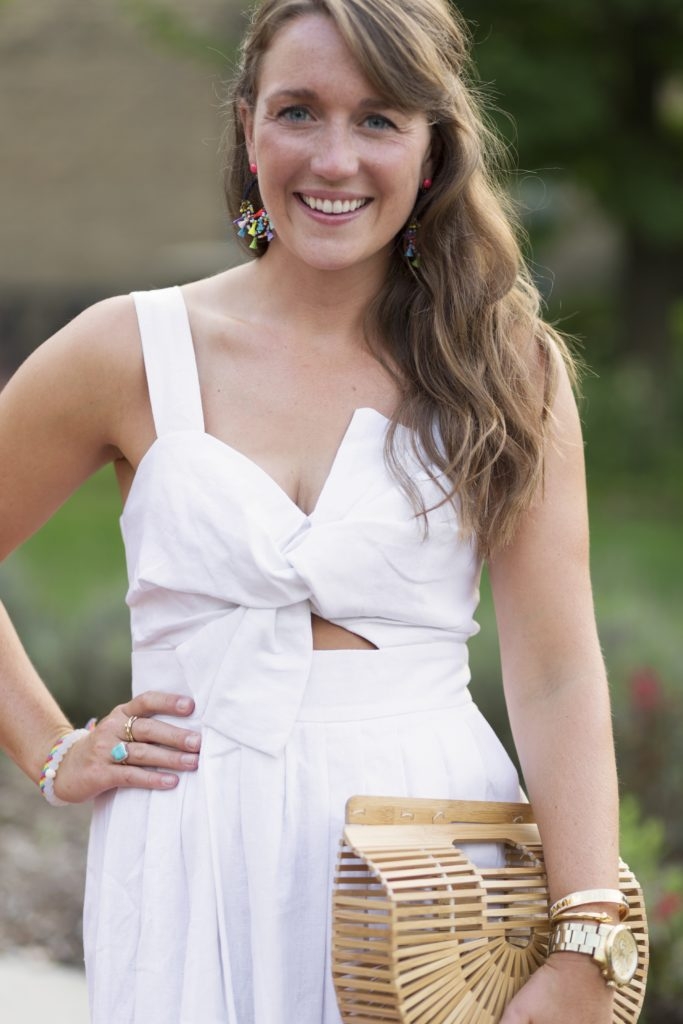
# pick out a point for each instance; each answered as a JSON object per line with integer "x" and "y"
{"x": 89, "y": 769}
{"x": 567, "y": 989}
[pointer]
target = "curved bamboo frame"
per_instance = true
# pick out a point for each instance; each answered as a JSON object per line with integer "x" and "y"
{"x": 422, "y": 936}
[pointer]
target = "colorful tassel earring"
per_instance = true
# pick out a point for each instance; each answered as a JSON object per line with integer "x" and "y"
{"x": 254, "y": 223}
{"x": 410, "y": 244}
{"x": 410, "y": 250}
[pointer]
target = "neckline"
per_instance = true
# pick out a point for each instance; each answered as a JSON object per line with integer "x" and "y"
{"x": 272, "y": 482}
{"x": 196, "y": 425}
{"x": 246, "y": 458}
{"x": 253, "y": 466}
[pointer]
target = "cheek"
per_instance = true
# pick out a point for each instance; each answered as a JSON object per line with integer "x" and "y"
{"x": 404, "y": 167}
{"x": 402, "y": 180}
{"x": 278, "y": 158}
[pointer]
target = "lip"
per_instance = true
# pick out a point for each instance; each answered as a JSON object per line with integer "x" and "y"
{"x": 332, "y": 218}
{"x": 317, "y": 193}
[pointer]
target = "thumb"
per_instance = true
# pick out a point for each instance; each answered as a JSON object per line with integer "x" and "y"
{"x": 515, "y": 1014}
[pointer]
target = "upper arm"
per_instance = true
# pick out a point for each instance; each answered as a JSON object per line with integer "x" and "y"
{"x": 62, "y": 415}
{"x": 541, "y": 580}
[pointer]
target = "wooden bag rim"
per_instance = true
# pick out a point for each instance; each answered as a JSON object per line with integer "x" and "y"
{"x": 391, "y": 810}
{"x": 371, "y": 820}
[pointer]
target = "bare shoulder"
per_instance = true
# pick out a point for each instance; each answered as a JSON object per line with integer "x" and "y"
{"x": 98, "y": 347}
{"x": 101, "y": 341}
{"x": 63, "y": 413}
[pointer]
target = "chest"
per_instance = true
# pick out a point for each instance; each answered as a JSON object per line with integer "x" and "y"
{"x": 290, "y": 413}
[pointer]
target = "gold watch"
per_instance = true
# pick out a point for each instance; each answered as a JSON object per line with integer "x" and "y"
{"x": 613, "y": 947}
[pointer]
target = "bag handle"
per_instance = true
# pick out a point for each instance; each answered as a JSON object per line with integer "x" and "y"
{"x": 524, "y": 837}
{"x": 392, "y": 810}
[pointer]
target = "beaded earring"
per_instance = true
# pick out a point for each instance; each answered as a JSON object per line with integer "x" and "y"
{"x": 410, "y": 250}
{"x": 255, "y": 223}
{"x": 410, "y": 244}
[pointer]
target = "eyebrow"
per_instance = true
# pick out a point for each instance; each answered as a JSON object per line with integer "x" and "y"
{"x": 309, "y": 95}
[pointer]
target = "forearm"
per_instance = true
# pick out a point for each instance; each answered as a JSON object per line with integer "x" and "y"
{"x": 31, "y": 721}
{"x": 563, "y": 736}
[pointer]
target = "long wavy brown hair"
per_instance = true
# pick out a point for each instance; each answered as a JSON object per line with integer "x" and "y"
{"x": 476, "y": 365}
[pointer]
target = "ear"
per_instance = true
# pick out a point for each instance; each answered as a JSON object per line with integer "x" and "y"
{"x": 246, "y": 116}
{"x": 432, "y": 156}
{"x": 427, "y": 164}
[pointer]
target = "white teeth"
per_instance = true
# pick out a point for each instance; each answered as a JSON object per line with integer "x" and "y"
{"x": 334, "y": 206}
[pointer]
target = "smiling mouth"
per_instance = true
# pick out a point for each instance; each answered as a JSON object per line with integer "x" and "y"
{"x": 333, "y": 206}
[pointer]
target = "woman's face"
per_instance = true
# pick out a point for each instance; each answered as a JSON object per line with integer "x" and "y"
{"x": 339, "y": 169}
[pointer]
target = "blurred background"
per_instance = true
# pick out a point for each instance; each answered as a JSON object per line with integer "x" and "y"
{"x": 110, "y": 177}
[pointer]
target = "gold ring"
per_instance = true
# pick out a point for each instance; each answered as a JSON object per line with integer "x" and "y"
{"x": 128, "y": 728}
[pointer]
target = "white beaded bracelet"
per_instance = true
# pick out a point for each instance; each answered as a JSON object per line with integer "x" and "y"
{"x": 46, "y": 782}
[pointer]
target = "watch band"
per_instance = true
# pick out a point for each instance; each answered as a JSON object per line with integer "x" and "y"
{"x": 578, "y": 915}
{"x": 577, "y": 937}
{"x": 612, "y": 947}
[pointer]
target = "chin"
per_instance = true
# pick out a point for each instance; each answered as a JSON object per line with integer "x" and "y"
{"x": 336, "y": 259}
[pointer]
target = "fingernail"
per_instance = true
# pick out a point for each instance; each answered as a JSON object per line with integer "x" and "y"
{"x": 184, "y": 704}
{"x": 189, "y": 759}
{"x": 193, "y": 740}
{"x": 169, "y": 780}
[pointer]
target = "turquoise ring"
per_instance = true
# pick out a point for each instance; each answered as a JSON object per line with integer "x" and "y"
{"x": 119, "y": 753}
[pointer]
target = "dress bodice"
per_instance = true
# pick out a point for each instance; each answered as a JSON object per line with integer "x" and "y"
{"x": 225, "y": 569}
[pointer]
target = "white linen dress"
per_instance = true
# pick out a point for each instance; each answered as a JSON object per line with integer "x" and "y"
{"x": 210, "y": 904}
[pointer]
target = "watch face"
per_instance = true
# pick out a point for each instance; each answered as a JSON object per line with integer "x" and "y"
{"x": 621, "y": 954}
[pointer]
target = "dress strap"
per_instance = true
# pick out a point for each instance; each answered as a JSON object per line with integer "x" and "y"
{"x": 170, "y": 362}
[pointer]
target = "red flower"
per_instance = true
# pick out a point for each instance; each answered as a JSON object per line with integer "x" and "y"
{"x": 646, "y": 690}
{"x": 669, "y": 904}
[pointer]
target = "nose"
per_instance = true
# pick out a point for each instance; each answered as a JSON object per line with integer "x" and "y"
{"x": 335, "y": 157}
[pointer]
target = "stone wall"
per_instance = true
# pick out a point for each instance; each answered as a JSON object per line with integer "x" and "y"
{"x": 110, "y": 169}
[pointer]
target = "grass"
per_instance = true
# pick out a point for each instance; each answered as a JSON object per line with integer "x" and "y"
{"x": 78, "y": 554}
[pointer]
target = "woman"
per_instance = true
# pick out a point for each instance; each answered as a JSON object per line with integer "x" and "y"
{"x": 304, "y": 614}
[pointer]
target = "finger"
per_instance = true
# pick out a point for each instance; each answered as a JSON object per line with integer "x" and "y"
{"x": 128, "y": 776}
{"x": 85, "y": 785}
{"x": 512, "y": 1016}
{"x": 156, "y": 702}
{"x": 149, "y": 755}
{"x": 151, "y": 730}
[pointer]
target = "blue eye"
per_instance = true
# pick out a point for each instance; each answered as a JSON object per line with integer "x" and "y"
{"x": 377, "y": 121}
{"x": 295, "y": 114}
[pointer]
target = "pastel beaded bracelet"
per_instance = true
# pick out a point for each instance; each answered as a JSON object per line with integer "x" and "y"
{"x": 46, "y": 782}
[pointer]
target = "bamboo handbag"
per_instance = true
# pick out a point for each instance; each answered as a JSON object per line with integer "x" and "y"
{"x": 422, "y": 936}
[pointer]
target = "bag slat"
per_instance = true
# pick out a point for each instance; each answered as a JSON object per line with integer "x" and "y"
{"x": 422, "y": 936}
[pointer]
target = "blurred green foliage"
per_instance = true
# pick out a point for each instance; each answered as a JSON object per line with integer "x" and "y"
{"x": 644, "y": 848}
{"x": 597, "y": 89}
{"x": 167, "y": 27}
{"x": 596, "y": 93}
{"x": 64, "y": 589}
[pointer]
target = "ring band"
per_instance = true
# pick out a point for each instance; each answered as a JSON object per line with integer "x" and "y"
{"x": 119, "y": 753}
{"x": 128, "y": 728}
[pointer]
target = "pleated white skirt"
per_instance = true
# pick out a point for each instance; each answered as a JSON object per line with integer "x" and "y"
{"x": 210, "y": 904}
